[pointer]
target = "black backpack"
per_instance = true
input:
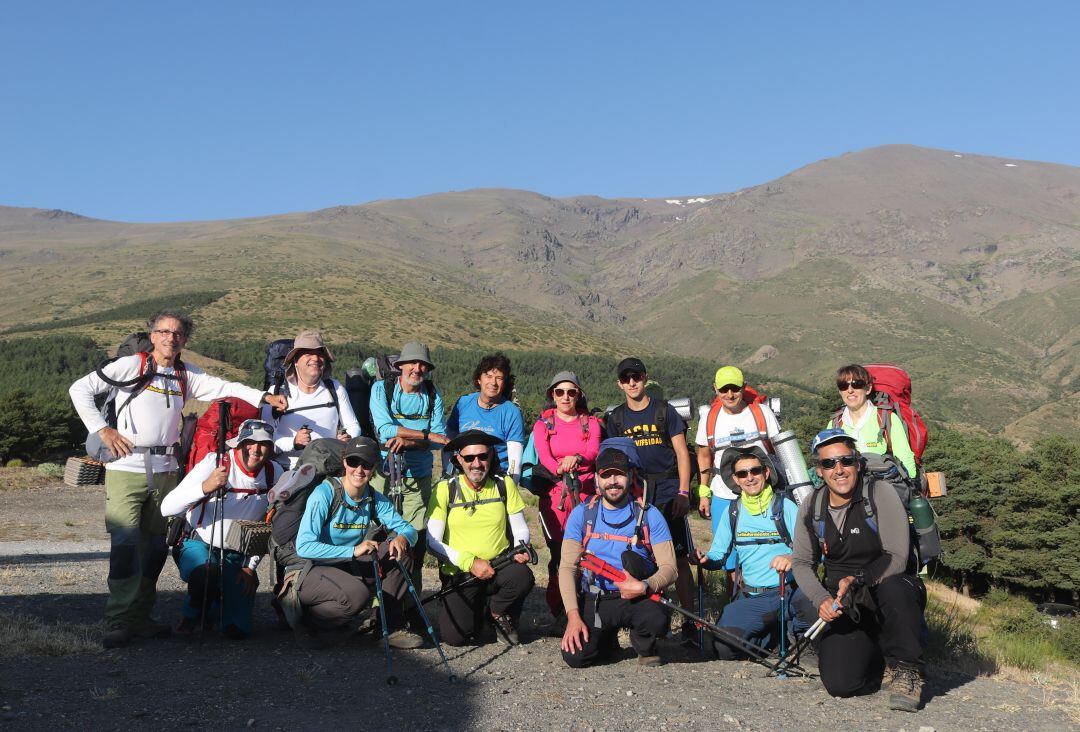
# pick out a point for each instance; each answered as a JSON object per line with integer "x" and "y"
{"x": 358, "y": 387}
{"x": 325, "y": 455}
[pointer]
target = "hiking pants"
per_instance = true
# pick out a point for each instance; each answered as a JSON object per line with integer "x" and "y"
{"x": 332, "y": 595}
{"x": 647, "y": 621}
{"x": 464, "y": 612}
{"x": 553, "y": 518}
{"x": 756, "y": 618}
{"x": 416, "y": 493}
{"x": 138, "y": 552}
{"x": 851, "y": 655}
{"x": 234, "y": 608}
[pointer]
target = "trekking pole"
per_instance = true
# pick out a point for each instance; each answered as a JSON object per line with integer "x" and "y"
{"x": 497, "y": 563}
{"x": 427, "y": 621}
{"x": 756, "y": 653}
{"x": 223, "y": 432}
{"x": 391, "y": 680}
{"x": 783, "y": 620}
{"x": 700, "y": 585}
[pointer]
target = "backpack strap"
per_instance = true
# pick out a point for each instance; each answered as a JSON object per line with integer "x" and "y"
{"x": 615, "y": 421}
{"x": 866, "y": 496}
{"x": 733, "y": 516}
{"x": 454, "y": 493}
{"x": 661, "y": 421}
{"x": 637, "y": 514}
{"x": 710, "y": 422}
{"x": 390, "y": 384}
{"x": 884, "y": 419}
{"x": 762, "y": 427}
{"x": 338, "y": 500}
{"x": 591, "y": 511}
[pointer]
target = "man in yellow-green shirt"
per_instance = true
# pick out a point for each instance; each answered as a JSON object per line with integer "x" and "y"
{"x": 466, "y": 528}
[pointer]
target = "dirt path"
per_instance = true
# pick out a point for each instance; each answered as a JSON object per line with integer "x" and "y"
{"x": 53, "y": 562}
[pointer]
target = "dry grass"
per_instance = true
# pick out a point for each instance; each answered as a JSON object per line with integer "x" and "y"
{"x": 24, "y": 635}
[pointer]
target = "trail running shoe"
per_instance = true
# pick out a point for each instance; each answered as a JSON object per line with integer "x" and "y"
{"x": 405, "y": 639}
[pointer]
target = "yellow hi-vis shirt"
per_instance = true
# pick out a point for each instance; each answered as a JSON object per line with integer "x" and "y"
{"x": 477, "y": 531}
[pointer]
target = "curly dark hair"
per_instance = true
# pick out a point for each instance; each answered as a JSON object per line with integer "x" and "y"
{"x": 495, "y": 362}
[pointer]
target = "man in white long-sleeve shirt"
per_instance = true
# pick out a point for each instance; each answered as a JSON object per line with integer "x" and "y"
{"x": 233, "y": 489}
{"x": 149, "y": 399}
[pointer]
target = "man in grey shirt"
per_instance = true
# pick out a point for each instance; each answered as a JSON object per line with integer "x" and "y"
{"x": 871, "y": 598}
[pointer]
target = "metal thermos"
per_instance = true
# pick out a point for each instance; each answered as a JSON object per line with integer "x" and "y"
{"x": 791, "y": 458}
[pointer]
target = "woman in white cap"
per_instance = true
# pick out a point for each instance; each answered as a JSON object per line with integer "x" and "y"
{"x": 318, "y": 404}
{"x": 232, "y": 487}
{"x": 567, "y": 439}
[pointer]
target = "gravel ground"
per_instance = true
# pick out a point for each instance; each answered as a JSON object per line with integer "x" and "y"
{"x": 53, "y": 563}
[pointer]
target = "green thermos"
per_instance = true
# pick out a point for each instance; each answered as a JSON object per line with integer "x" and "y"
{"x": 922, "y": 515}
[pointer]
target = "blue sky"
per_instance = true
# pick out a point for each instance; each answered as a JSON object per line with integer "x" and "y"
{"x": 154, "y": 111}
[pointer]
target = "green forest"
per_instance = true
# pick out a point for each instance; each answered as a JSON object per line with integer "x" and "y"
{"x": 1009, "y": 519}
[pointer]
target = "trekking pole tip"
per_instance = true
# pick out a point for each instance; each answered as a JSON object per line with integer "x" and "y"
{"x": 391, "y": 680}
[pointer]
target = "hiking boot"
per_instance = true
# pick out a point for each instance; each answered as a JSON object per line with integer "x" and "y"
{"x": 369, "y": 620}
{"x": 150, "y": 628}
{"x": 904, "y": 682}
{"x": 186, "y": 627}
{"x": 689, "y": 633}
{"x": 234, "y": 633}
{"x": 505, "y": 630}
{"x": 649, "y": 661}
{"x": 117, "y": 636}
{"x": 405, "y": 639}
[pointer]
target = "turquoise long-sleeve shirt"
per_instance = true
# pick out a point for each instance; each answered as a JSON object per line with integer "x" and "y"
{"x": 330, "y": 539}
{"x": 418, "y": 463}
{"x": 754, "y": 559}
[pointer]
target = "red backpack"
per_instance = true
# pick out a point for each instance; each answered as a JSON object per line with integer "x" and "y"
{"x": 205, "y": 439}
{"x": 892, "y": 393}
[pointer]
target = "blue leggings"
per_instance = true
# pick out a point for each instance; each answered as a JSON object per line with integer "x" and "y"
{"x": 191, "y": 561}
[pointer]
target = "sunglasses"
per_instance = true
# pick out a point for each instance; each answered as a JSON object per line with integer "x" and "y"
{"x": 829, "y": 463}
{"x": 572, "y": 393}
{"x": 853, "y": 384}
{"x": 470, "y": 459}
{"x": 747, "y": 472}
{"x": 355, "y": 461}
{"x": 729, "y": 388}
{"x": 631, "y": 376}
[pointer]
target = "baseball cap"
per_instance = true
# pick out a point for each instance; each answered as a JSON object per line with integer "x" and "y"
{"x": 362, "y": 447}
{"x": 829, "y": 436}
{"x": 631, "y": 364}
{"x": 612, "y": 459}
{"x": 728, "y": 375}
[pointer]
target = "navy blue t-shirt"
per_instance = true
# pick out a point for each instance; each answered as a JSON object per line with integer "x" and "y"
{"x": 655, "y": 453}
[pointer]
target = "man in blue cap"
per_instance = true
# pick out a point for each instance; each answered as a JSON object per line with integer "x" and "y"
{"x": 871, "y": 598}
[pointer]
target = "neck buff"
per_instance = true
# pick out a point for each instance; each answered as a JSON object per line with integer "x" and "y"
{"x": 758, "y": 504}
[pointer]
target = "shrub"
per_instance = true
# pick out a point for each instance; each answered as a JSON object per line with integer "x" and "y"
{"x": 50, "y": 470}
{"x": 15, "y": 463}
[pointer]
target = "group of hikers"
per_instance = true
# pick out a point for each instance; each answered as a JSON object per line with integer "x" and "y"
{"x": 614, "y": 494}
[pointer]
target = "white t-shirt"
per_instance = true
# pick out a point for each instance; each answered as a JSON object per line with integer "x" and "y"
{"x": 323, "y": 420}
{"x": 739, "y": 429}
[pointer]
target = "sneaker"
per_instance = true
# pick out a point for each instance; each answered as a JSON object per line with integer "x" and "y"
{"x": 904, "y": 683}
{"x": 151, "y": 628}
{"x": 118, "y": 636}
{"x": 649, "y": 661}
{"x": 405, "y": 639}
{"x": 505, "y": 630}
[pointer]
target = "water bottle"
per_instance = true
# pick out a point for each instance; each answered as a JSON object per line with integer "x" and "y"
{"x": 921, "y": 514}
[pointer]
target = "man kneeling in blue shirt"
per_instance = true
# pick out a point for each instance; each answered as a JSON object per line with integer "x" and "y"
{"x": 754, "y": 537}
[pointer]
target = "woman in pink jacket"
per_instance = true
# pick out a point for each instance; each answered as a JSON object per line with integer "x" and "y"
{"x": 567, "y": 439}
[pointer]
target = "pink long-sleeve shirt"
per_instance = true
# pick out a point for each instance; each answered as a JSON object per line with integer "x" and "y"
{"x": 568, "y": 439}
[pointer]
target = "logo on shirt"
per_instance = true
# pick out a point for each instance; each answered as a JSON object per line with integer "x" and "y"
{"x": 645, "y": 435}
{"x": 855, "y": 530}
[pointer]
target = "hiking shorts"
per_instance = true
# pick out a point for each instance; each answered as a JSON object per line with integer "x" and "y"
{"x": 679, "y": 530}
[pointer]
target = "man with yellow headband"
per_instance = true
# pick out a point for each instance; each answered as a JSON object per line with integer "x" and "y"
{"x": 756, "y": 530}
